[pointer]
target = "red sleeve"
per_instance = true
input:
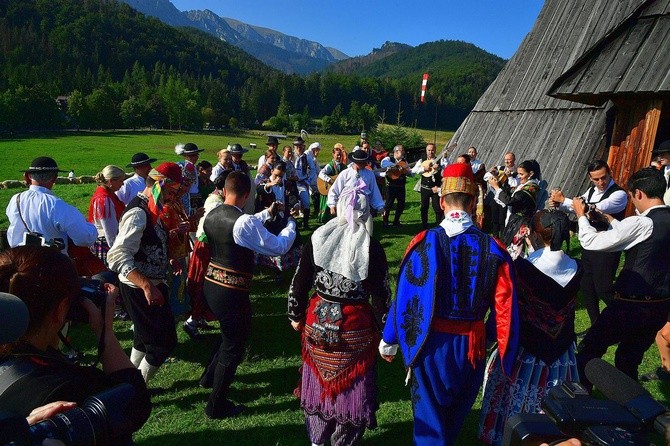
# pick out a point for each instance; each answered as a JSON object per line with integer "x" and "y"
{"x": 506, "y": 317}
{"x": 420, "y": 236}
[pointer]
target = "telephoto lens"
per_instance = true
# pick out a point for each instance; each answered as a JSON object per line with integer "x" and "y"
{"x": 101, "y": 420}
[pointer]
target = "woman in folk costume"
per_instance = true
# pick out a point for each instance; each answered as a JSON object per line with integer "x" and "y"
{"x": 265, "y": 170}
{"x": 330, "y": 170}
{"x": 521, "y": 204}
{"x": 548, "y": 281}
{"x": 105, "y": 209}
{"x": 340, "y": 326}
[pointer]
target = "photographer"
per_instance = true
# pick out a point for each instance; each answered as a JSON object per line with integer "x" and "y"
{"x": 642, "y": 289}
{"x": 34, "y": 372}
{"x": 600, "y": 267}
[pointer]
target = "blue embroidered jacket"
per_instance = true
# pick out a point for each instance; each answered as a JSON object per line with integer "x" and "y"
{"x": 457, "y": 278}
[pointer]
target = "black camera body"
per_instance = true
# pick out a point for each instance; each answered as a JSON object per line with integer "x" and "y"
{"x": 571, "y": 412}
{"x": 100, "y": 420}
{"x": 36, "y": 239}
{"x": 92, "y": 290}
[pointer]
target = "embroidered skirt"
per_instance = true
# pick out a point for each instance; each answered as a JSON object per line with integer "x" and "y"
{"x": 100, "y": 248}
{"x": 282, "y": 263}
{"x": 522, "y": 392}
{"x": 339, "y": 353}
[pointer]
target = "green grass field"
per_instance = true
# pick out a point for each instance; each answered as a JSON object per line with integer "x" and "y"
{"x": 269, "y": 374}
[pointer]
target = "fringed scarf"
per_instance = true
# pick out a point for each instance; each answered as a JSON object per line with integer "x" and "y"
{"x": 97, "y": 209}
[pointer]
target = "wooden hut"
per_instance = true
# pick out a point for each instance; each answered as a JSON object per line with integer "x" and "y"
{"x": 516, "y": 113}
{"x": 630, "y": 66}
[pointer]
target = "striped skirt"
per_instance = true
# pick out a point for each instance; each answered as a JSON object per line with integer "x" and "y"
{"x": 522, "y": 392}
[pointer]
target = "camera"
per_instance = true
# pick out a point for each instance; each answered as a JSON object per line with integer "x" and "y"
{"x": 596, "y": 218}
{"x": 92, "y": 290}
{"x": 36, "y": 239}
{"x": 570, "y": 411}
{"x": 101, "y": 420}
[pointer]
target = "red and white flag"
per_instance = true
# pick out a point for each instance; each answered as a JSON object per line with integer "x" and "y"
{"x": 424, "y": 82}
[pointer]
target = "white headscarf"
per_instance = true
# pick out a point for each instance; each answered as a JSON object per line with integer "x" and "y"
{"x": 343, "y": 244}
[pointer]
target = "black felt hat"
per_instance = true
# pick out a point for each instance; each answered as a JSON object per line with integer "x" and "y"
{"x": 272, "y": 140}
{"x": 237, "y": 149}
{"x": 298, "y": 141}
{"x": 43, "y": 164}
{"x": 189, "y": 149}
{"x": 359, "y": 156}
{"x": 140, "y": 158}
{"x": 662, "y": 148}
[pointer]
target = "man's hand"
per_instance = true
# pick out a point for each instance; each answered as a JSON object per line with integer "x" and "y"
{"x": 556, "y": 196}
{"x": 580, "y": 206}
{"x": 333, "y": 210}
{"x": 154, "y": 295}
{"x": 297, "y": 326}
{"x": 276, "y": 207}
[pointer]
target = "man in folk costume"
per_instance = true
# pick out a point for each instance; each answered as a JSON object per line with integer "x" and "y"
{"x": 429, "y": 185}
{"x": 233, "y": 237}
{"x": 140, "y": 257}
{"x": 303, "y": 169}
{"x": 191, "y": 154}
{"x": 330, "y": 170}
{"x": 450, "y": 277}
{"x": 141, "y": 164}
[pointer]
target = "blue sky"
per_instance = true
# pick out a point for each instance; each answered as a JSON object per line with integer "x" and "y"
{"x": 355, "y": 27}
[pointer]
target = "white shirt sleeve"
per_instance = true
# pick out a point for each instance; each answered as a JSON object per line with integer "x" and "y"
{"x": 249, "y": 232}
{"x": 335, "y": 191}
{"x": 68, "y": 219}
{"x": 624, "y": 234}
{"x": 418, "y": 168}
{"x": 121, "y": 256}
{"x": 616, "y": 202}
{"x": 109, "y": 223}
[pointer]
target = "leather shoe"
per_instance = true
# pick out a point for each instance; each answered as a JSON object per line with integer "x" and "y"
{"x": 191, "y": 331}
{"x": 203, "y": 325}
{"x": 230, "y": 412}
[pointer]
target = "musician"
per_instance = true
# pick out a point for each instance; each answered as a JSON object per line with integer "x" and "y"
{"x": 302, "y": 170}
{"x": 430, "y": 182}
{"x": 328, "y": 175}
{"x": 478, "y": 167}
{"x": 396, "y": 177}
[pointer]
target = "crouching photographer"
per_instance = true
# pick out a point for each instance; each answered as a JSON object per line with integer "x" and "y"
{"x": 34, "y": 373}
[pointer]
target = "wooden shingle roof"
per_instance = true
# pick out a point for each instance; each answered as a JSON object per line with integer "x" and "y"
{"x": 633, "y": 59}
{"x": 515, "y": 113}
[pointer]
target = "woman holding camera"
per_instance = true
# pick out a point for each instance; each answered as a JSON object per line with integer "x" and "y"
{"x": 547, "y": 284}
{"x": 35, "y": 373}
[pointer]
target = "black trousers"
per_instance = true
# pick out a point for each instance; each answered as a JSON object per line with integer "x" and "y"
{"x": 632, "y": 325}
{"x": 233, "y": 310}
{"x": 597, "y": 281}
{"x": 395, "y": 193}
{"x": 428, "y": 197}
{"x": 154, "y": 329}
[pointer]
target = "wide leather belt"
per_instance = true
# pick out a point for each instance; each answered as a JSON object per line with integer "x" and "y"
{"x": 639, "y": 298}
{"x": 228, "y": 278}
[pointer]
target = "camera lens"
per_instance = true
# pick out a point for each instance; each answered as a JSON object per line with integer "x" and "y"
{"x": 78, "y": 426}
